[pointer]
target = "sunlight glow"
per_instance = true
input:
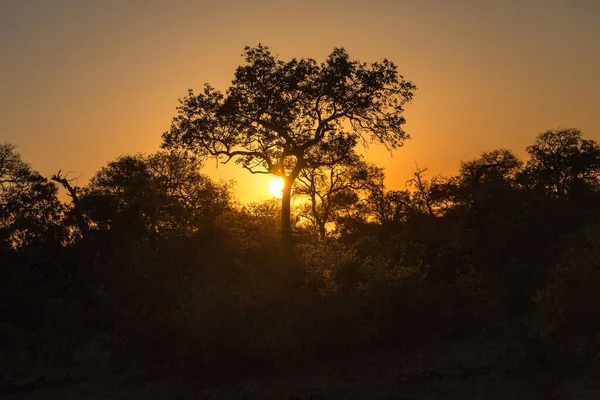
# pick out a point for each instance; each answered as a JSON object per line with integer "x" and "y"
{"x": 276, "y": 187}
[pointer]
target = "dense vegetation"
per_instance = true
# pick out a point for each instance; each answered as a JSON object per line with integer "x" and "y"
{"x": 154, "y": 263}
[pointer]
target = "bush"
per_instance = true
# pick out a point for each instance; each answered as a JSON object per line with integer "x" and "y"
{"x": 570, "y": 301}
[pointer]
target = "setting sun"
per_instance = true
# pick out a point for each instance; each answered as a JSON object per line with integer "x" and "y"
{"x": 276, "y": 187}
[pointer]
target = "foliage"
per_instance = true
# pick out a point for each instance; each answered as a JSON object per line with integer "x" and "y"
{"x": 572, "y": 295}
{"x": 153, "y": 254}
{"x": 281, "y": 117}
{"x": 334, "y": 193}
{"x": 155, "y": 197}
{"x": 562, "y": 162}
{"x": 29, "y": 208}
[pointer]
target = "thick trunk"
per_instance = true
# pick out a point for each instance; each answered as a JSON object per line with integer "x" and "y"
{"x": 286, "y": 225}
{"x": 322, "y": 231}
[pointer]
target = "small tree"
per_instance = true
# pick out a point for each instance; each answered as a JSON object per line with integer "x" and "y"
{"x": 333, "y": 191}
{"x": 424, "y": 194}
{"x": 280, "y": 117}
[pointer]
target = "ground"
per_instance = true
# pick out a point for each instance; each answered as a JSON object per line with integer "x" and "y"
{"x": 482, "y": 367}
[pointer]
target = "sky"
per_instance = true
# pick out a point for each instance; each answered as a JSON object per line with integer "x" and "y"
{"x": 83, "y": 81}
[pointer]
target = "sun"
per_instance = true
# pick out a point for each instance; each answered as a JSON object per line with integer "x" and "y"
{"x": 276, "y": 187}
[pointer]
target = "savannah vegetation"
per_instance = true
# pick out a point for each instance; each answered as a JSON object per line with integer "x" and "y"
{"x": 154, "y": 264}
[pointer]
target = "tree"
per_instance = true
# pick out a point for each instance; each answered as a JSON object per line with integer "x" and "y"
{"x": 152, "y": 197}
{"x": 29, "y": 207}
{"x": 562, "y": 161}
{"x": 488, "y": 181}
{"x": 334, "y": 190}
{"x": 194, "y": 200}
{"x": 390, "y": 206}
{"x": 281, "y": 117}
{"x": 424, "y": 195}
{"x": 496, "y": 167}
{"x": 13, "y": 170}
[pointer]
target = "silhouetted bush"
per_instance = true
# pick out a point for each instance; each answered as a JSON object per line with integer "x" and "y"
{"x": 154, "y": 264}
{"x": 571, "y": 299}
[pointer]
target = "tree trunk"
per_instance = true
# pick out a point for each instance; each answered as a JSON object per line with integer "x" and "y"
{"x": 322, "y": 231}
{"x": 286, "y": 225}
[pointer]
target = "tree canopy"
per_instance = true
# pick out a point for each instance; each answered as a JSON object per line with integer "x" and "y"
{"x": 279, "y": 117}
{"x": 561, "y": 161}
{"x": 29, "y": 207}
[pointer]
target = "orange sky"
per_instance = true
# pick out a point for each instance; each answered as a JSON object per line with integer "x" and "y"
{"x": 82, "y": 81}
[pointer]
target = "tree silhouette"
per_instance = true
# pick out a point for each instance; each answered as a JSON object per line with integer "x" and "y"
{"x": 424, "y": 195}
{"x": 486, "y": 181}
{"x": 29, "y": 207}
{"x": 280, "y": 117}
{"x": 153, "y": 197}
{"x": 334, "y": 190}
{"x": 13, "y": 170}
{"x": 496, "y": 167}
{"x": 561, "y": 161}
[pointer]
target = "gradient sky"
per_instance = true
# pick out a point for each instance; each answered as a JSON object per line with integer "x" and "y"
{"x": 84, "y": 81}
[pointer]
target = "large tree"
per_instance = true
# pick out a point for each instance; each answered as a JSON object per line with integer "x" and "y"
{"x": 152, "y": 197}
{"x": 279, "y": 117}
{"x": 30, "y": 211}
{"x": 562, "y": 162}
